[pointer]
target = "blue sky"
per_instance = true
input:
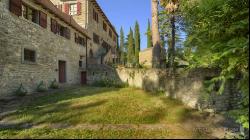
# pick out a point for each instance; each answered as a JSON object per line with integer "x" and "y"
{"x": 125, "y": 12}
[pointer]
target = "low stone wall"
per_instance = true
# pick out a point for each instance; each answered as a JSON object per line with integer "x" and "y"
{"x": 186, "y": 86}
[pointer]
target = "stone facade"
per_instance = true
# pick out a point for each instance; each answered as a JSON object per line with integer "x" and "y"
{"x": 146, "y": 57}
{"x": 188, "y": 86}
{"x": 17, "y": 34}
{"x": 86, "y": 20}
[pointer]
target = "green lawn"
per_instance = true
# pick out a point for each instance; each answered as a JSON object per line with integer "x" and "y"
{"x": 91, "y": 112}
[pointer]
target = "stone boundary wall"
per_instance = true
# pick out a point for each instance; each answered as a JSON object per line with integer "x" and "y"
{"x": 186, "y": 86}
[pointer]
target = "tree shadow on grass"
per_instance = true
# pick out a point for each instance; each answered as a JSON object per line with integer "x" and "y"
{"x": 37, "y": 107}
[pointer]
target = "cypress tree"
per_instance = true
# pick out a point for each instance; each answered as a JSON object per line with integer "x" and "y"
{"x": 137, "y": 43}
{"x": 149, "y": 36}
{"x": 122, "y": 46}
{"x": 130, "y": 56}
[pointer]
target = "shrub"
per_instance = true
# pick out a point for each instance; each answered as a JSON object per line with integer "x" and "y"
{"x": 54, "y": 85}
{"x": 41, "y": 87}
{"x": 21, "y": 91}
{"x": 109, "y": 83}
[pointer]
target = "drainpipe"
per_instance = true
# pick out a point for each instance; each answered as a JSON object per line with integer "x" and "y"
{"x": 86, "y": 54}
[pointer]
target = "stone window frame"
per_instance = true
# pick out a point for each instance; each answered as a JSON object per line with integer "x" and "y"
{"x": 29, "y": 62}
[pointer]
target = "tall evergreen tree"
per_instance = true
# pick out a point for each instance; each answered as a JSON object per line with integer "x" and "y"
{"x": 130, "y": 55}
{"x": 122, "y": 47}
{"x": 137, "y": 43}
{"x": 149, "y": 36}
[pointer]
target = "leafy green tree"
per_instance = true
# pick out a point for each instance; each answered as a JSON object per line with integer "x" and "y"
{"x": 131, "y": 50}
{"x": 122, "y": 47}
{"x": 218, "y": 37}
{"x": 137, "y": 43}
{"x": 149, "y": 36}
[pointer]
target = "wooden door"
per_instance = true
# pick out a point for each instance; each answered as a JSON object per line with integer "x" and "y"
{"x": 62, "y": 71}
{"x": 83, "y": 78}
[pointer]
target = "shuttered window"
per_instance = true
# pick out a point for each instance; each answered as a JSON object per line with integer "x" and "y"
{"x": 104, "y": 26}
{"x": 16, "y": 7}
{"x": 95, "y": 16}
{"x": 73, "y": 9}
{"x": 79, "y": 40}
{"x": 110, "y": 33}
{"x": 43, "y": 20}
{"x": 96, "y": 38}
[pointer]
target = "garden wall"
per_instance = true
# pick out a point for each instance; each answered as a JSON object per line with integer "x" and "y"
{"x": 186, "y": 86}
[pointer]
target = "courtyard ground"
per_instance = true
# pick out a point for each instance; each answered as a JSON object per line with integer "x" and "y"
{"x": 94, "y": 112}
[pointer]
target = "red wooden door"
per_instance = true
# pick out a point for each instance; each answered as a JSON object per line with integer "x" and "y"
{"x": 62, "y": 71}
{"x": 83, "y": 78}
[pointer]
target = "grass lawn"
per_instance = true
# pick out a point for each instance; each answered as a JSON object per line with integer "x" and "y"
{"x": 92, "y": 112}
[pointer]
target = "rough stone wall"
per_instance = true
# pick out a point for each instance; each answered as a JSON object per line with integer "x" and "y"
{"x": 188, "y": 86}
{"x": 146, "y": 57}
{"x": 94, "y": 27}
{"x": 86, "y": 21}
{"x": 16, "y": 34}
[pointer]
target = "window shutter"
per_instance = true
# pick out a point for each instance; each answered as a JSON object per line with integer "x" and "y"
{"x": 79, "y": 8}
{"x": 16, "y": 7}
{"x": 66, "y": 8}
{"x": 43, "y": 20}
{"x": 54, "y": 26}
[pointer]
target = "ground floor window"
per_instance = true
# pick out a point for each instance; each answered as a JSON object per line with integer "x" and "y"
{"x": 29, "y": 55}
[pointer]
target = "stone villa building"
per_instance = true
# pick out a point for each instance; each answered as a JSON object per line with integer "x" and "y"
{"x": 38, "y": 43}
{"x": 88, "y": 14}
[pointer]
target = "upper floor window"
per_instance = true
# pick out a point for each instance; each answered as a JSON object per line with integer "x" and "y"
{"x": 35, "y": 16}
{"x": 30, "y": 14}
{"x": 80, "y": 40}
{"x": 110, "y": 33}
{"x": 59, "y": 29}
{"x": 104, "y": 26}
{"x": 73, "y": 9}
{"x": 95, "y": 16}
{"x": 96, "y": 38}
{"x": 114, "y": 38}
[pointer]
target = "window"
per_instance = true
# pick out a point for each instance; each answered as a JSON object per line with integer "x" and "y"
{"x": 104, "y": 26}
{"x": 73, "y": 9}
{"x": 110, "y": 33}
{"x": 96, "y": 38}
{"x": 29, "y": 55}
{"x": 79, "y": 40}
{"x": 114, "y": 38}
{"x": 63, "y": 31}
{"x": 30, "y": 14}
{"x": 95, "y": 16}
{"x": 80, "y": 64}
{"x": 35, "y": 16}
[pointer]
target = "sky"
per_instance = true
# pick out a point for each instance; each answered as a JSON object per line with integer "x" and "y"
{"x": 124, "y": 13}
